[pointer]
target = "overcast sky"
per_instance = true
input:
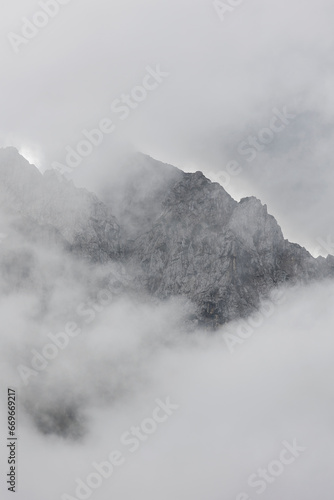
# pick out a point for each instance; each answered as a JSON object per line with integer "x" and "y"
{"x": 227, "y": 74}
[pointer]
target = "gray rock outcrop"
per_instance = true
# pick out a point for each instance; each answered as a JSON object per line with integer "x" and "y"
{"x": 178, "y": 234}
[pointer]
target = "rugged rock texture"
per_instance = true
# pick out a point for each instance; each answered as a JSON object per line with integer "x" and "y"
{"x": 222, "y": 254}
{"x": 177, "y": 233}
{"x": 82, "y": 221}
{"x": 136, "y": 194}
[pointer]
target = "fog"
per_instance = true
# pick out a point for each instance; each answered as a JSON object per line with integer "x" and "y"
{"x": 123, "y": 355}
{"x": 225, "y": 78}
{"x": 234, "y": 404}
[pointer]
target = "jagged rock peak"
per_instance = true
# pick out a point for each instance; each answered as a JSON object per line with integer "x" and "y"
{"x": 181, "y": 233}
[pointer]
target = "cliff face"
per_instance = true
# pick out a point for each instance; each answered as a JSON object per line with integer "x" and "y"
{"x": 222, "y": 254}
{"x": 179, "y": 233}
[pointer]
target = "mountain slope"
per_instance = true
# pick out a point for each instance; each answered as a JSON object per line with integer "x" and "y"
{"x": 222, "y": 254}
{"x": 81, "y": 219}
{"x": 178, "y": 234}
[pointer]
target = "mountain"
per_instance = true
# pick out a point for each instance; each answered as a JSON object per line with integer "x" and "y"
{"x": 201, "y": 243}
{"x": 51, "y": 201}
{"x": 177, "y": 233}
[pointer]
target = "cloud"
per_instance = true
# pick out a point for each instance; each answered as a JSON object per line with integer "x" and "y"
{"x": 235, "y": 410}
{"x": 225, "y": 78}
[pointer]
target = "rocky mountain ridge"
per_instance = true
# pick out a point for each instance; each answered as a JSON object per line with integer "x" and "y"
{"x": 178, "y": 234}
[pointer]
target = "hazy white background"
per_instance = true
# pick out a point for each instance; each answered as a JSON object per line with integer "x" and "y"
{"x": 234, "y": 410}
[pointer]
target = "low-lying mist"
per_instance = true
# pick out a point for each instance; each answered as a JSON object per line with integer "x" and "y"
{"x": 94, "y": 363}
